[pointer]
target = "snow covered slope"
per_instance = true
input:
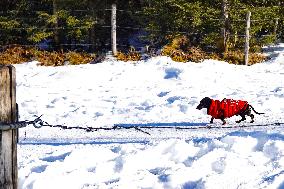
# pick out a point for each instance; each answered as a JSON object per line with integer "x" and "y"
{"x": 156, "y": 92}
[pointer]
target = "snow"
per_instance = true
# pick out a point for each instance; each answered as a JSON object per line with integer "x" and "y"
{"x": 156, "y": 92}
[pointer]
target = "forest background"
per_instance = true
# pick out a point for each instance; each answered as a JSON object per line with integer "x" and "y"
{"x": 178, "y": 27}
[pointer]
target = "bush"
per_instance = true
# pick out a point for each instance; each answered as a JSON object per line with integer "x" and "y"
{"x": 59, "y": 58}
{"x": 180, "y": 42}
{"x": 179, "y": 56}
{"x": 195, "y": 54}
{"x": 237, "y": 57}
{"x": 75, "y": 58}
{"x": 175, "y": 54}
{"x": 255, "y": 58}
{"x": 132, "y": 55}
{"x": 16, "y": 55}
{"x": 213, "y": 56}
{"x": 179, "y": 50}
{"x": 51, "y": 58}
{"x": 234, "y": 57}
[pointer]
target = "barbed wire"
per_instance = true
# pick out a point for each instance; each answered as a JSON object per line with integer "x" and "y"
{"x": 89, "y": 9}
{"x": 121, "y": 10}
{"x": 51, "y": 11}
{"x": 123, "y": 28}
{"x": 39, "y": 123}
{"x": 52, "y": 28}
{"x": 13, "y": 31}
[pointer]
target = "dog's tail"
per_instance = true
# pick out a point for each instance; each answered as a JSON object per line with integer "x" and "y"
{"x": 255, "y": 111}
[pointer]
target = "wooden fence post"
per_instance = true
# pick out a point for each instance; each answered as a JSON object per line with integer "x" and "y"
{"x": 56, "y": 25}
{"x": 276, "y": 28}
{"x": 8, "y": 139}
{"x": 226, "y": 25}
{"x": 113, "y": 29}
{"x": 247, "y": 38}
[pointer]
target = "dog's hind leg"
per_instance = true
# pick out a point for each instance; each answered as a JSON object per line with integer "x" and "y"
{"x": 248, "y": 113}
{"x": 251, "y": 116}
{"x": 243, "y": 119}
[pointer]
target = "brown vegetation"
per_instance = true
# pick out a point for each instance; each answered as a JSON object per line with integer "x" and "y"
{"x": 179, "y": 50}
{"x": 17, "y": 54}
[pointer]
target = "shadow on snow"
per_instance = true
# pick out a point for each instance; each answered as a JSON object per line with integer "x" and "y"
{"x": 154, "y": 125}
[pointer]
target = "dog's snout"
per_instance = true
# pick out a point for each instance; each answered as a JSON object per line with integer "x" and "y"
{"x": 199, "y": 107}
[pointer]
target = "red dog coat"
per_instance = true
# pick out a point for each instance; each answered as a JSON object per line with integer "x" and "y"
{"x": 226, "y": 108}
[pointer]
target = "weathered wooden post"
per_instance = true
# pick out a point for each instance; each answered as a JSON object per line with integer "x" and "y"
{"x": 226, "y": 25}
{"x": 247, "y": 39}
{"x": 56, "y": 25}
{"x": 276, "y": 28}
{"x": 113, "y": 29}
{"x": 8, "y": 138}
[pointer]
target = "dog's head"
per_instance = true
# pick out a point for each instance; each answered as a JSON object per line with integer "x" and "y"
{"x": 204, "y": 103}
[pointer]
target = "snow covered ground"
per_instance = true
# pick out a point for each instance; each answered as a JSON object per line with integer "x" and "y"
{"x": 156, "y": 92}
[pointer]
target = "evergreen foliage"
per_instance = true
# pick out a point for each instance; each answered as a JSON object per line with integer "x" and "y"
{"x": 202, "y": 21}
{"x": 59, "y": 22}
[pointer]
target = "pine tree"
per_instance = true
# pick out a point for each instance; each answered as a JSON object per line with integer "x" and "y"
{"x": 203, "y": 22}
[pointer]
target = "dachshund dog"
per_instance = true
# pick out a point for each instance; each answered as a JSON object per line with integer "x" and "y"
{"x": 227, "y": 108}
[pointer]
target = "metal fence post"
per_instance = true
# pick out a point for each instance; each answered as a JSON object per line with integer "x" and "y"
{"x": 8, "y": 139}
{"x": 113, "y": 29}
{"x": 247, "y": 38}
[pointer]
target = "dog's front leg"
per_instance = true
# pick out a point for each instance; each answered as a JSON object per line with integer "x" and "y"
{"x": 224, "y": 122}
{"x": 212, "y": 118}
{"x": 222, "y": 115}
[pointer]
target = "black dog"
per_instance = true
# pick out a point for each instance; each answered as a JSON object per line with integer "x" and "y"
{"x": 227, "y": 108}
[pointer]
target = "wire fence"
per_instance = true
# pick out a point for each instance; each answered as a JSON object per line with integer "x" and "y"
{"x": 129, "y": 34}
{"x": 39, "y": 123}
{"x": 145, "y": 128}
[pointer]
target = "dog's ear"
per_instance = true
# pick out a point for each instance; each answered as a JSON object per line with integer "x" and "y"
{"x": 206, "y": 101}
